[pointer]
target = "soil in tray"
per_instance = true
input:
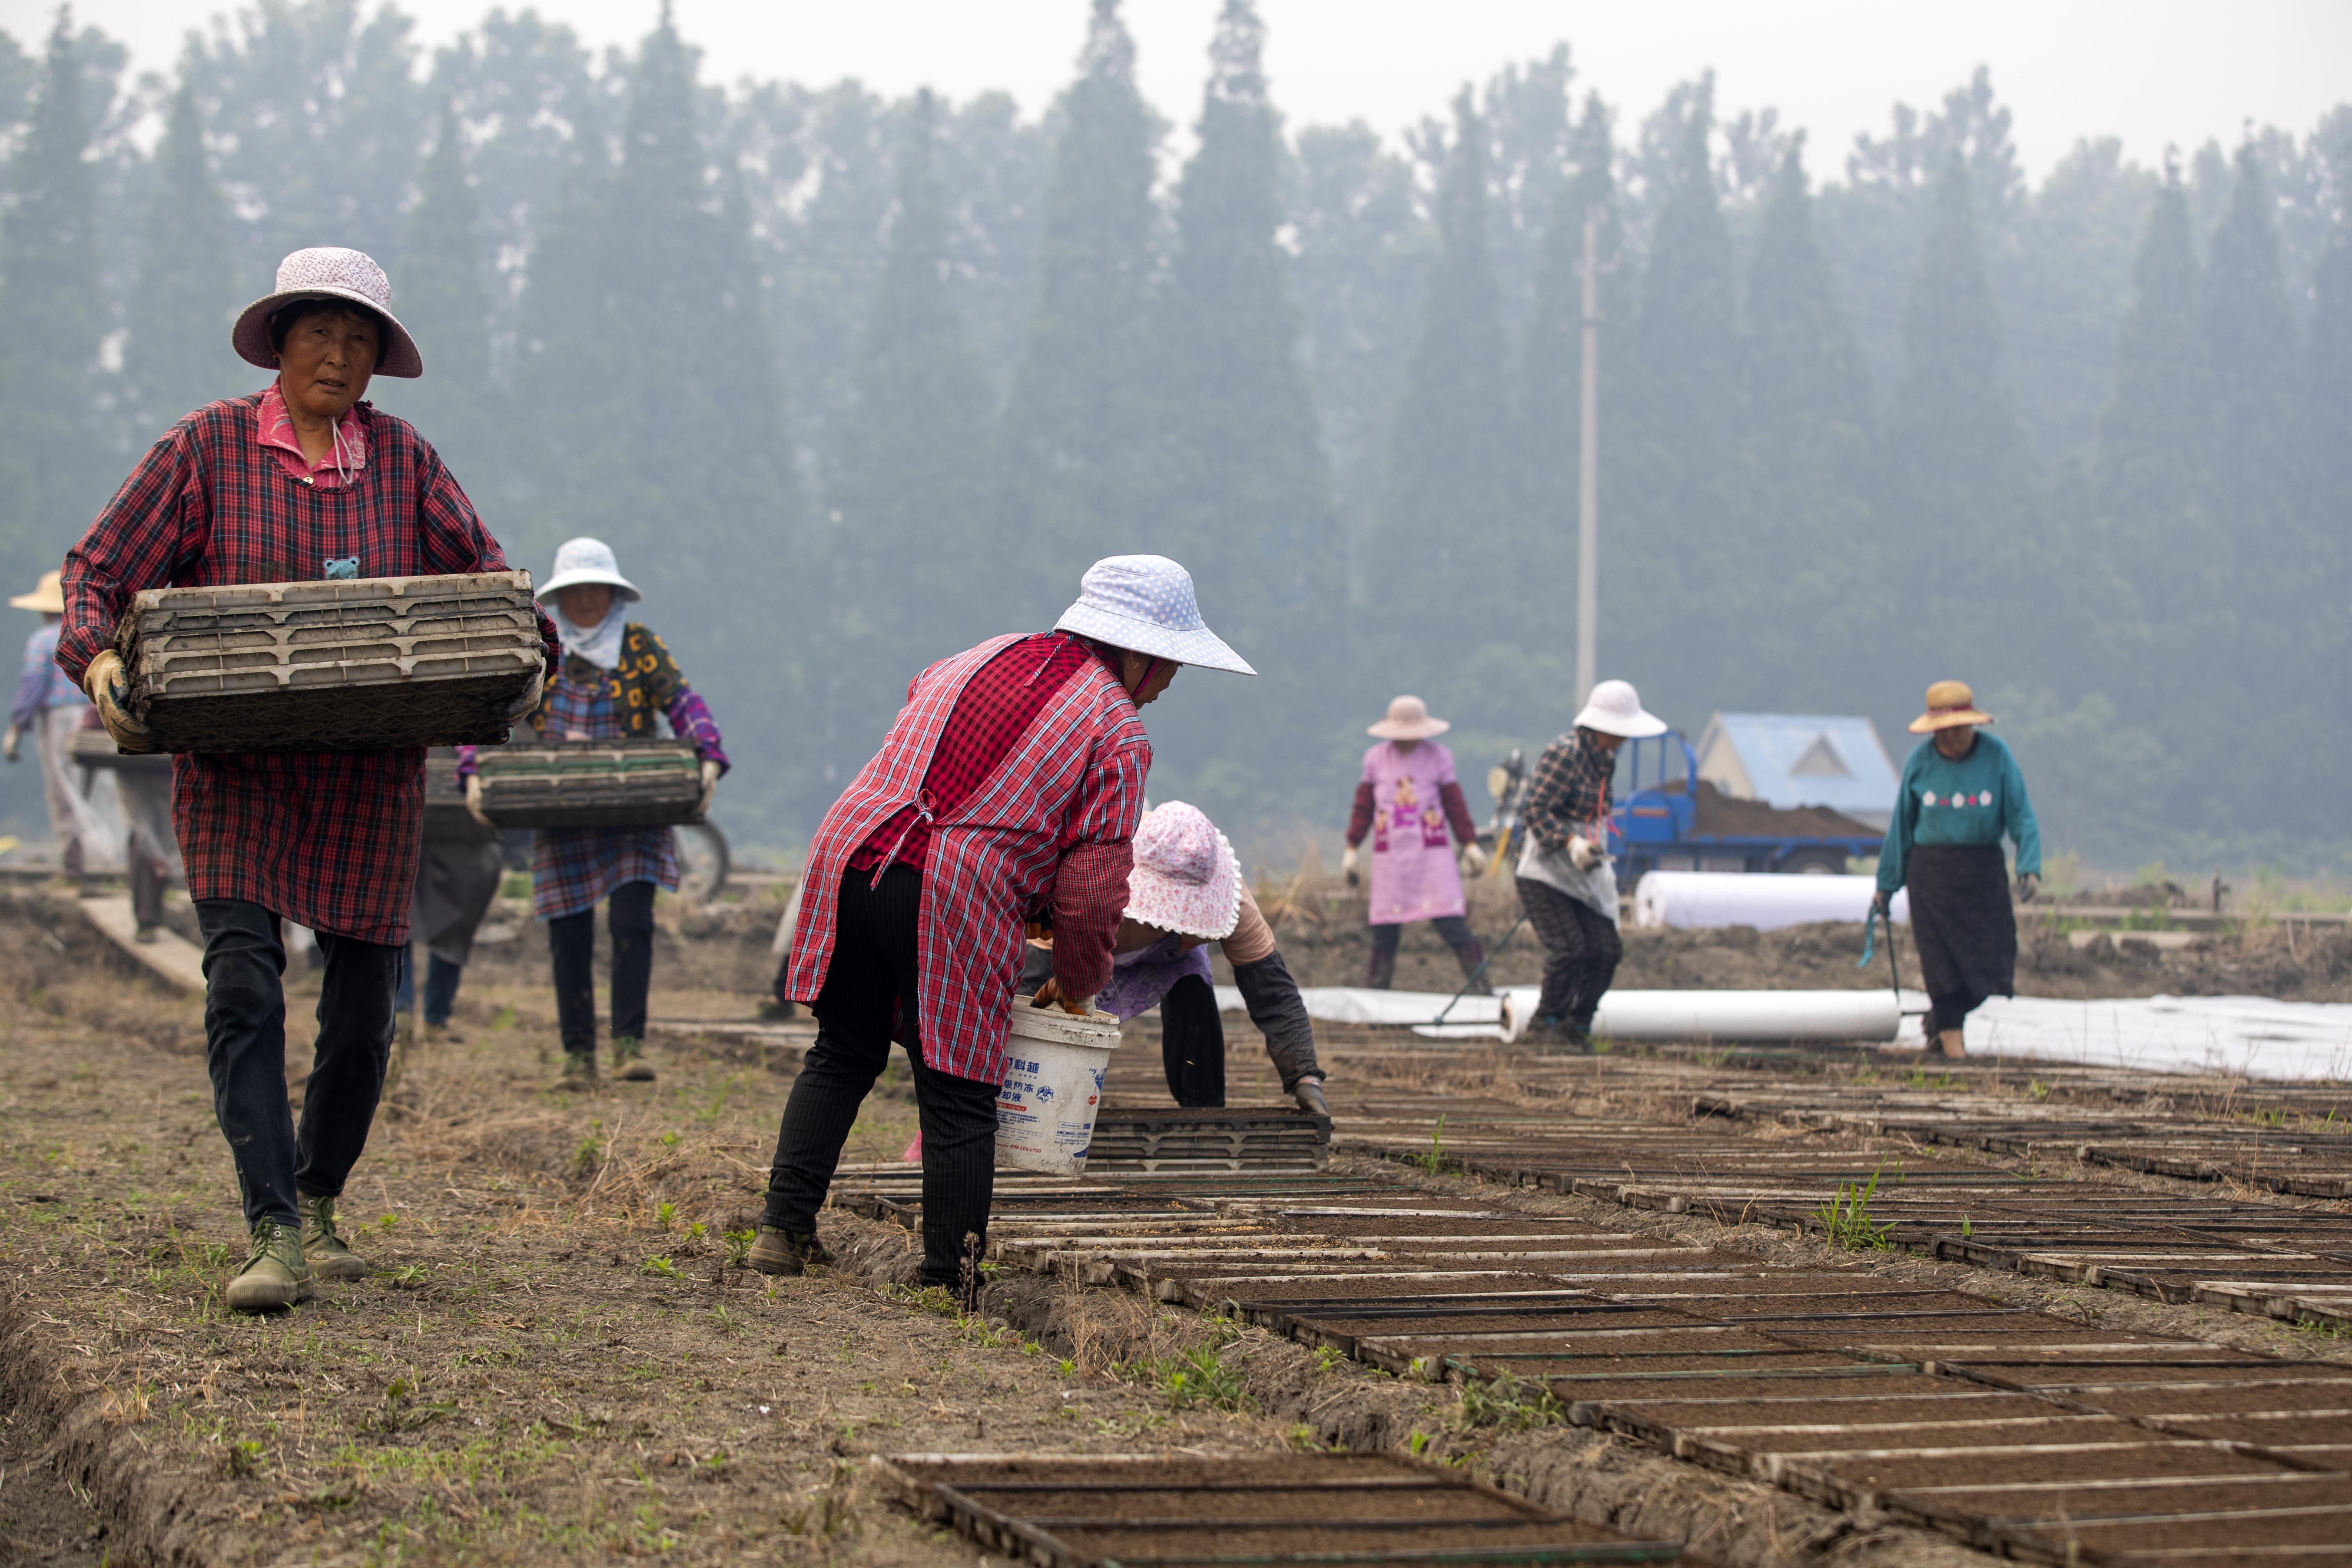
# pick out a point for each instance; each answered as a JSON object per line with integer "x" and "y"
{"x": 1264, "y": 1472}
{"x": 1337, "y": 1503}
{"x": 2286, "y": 1488}
{"x": 2284, "y": 1431}
{"x": 1242, "y": 1543}
{"x": 1566, "y": 1323}
{"x": 2143, "y": 1461}
{"x": 1763, "y": 1409}
{"x": 2330, "y": 1529}
{"x": 2332, "y": 1393}
{"x": 1937, "y": 1429}
{"x": 1639, "y": 1394}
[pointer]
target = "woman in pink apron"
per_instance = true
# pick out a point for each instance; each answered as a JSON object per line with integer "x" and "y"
{"x": 1412, "y": 805}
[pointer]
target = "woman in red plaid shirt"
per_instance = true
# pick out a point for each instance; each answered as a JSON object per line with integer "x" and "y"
{"x": 1007, "y": 791}
{"x": 301, "y": 482}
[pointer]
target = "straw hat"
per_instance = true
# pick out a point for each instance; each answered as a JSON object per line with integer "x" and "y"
{"x": 328, "y": 272}
{"x": 1145, "y": 603}
{"x": 49, "y": 595}
{"x": 1185, "y": 877}
{"x": 1408, "y": 720}
{"x": 1615, "y": 708}
{"x": 587, "y": 560}
{"x": 1949, "y": 702}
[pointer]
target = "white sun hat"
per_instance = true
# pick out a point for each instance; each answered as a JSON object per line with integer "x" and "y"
{"x": 1615, "y": 708}
{"x": 587, "y": 560}
{"x": 1145, "y": 603}
{"x": 1186, "y": 877}
{"x": 329, "y": 272}
{"x": 1408, "y": 720}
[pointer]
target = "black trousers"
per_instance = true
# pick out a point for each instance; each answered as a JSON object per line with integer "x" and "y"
{"x": 244, "y": 1051}
{"x": 1580, "y": 952}
{"x": 1192, "y": 1045}
{"x": 1454, "y": 929}
{"x": 868, "y": 997}
{"x": 572, "y": 941}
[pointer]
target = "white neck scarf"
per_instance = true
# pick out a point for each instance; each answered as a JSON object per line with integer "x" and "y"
{"x": 599, "y": 645}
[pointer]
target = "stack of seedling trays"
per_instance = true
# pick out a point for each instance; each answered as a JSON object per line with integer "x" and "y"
{"x": 351, "y": 664}
{"x": 445, "y": 816}
{"x": 96, "y": 749}
{"x": 1162, "y": 1140}
{"x": 593, "y": 783}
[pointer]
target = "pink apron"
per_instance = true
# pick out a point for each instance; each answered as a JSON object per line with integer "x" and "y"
{"x": 1413, "y": 875}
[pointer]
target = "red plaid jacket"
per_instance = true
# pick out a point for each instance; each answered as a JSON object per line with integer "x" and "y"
{"x": 327, "y": 839}
{"x": 1074, "y": 779}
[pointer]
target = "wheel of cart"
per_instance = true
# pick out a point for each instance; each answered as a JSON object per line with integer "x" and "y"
{"x": 701, "y": 862}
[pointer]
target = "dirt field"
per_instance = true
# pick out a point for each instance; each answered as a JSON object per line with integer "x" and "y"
{"x": 558, "y": 1361}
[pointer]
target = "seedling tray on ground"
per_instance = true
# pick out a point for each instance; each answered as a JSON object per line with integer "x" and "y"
{"x": 356, "y": 664}
{"x": 1161, "y": 1140}
{"x": 593, "y": 783}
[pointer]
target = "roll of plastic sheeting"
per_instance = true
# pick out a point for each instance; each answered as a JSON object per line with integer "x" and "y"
{"x": 1727, "y": 1015}
{"x": 1689, "y": 901}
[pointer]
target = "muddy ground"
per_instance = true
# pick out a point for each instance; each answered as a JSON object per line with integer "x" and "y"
{"x": 557, "y": 1360}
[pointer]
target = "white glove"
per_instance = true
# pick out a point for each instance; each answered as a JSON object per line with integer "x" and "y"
{"x": 474, "y": 800}
{"x": 1474, "y": 861}
{"x": 1582, "y": 853}
{"x": 709, "y": 786}
{"x": 1348, "y": 864}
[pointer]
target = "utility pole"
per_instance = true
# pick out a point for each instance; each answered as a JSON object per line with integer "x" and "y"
{"x": 1587, "y": 474}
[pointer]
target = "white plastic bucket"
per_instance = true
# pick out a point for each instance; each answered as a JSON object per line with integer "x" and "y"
{"x": 1054, "y": 1067}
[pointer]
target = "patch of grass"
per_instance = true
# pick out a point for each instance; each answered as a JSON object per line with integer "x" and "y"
{"x": 739, "y": 1247}
{"x": 588, "y": 1156}
{"x": 1501, "y": 1404}
{"x": 1433, "y": 1159}
{"x": 658, "y": 1269}
{"x": 2037, "y": 1092}
{"x": 1197, "y": 1376}
{"x": 1846, "y": 1219}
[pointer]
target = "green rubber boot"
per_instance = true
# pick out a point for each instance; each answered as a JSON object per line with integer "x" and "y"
{"x": 322, "y": 1247}
{"x": 629, "y": 1062}
{"x": 276, "y": 1276}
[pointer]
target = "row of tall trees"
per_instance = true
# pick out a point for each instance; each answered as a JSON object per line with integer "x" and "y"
{"x": 850, "y": 383}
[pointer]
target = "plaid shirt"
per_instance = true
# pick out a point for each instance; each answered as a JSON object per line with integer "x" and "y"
{"x": 996, "y": 706}
{"x": 1063, "y": 805}
{"x": 1571, "y": 788}
{"x": 328, "y": 839}
{"x": 576, "y": 868}
{"x": 345, "y": 454}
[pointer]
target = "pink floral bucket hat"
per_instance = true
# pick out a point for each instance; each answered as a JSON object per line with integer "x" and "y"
{"x": 1186, "y": 879}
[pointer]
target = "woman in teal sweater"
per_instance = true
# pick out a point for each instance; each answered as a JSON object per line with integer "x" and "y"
{"x": 1960, "y": 793}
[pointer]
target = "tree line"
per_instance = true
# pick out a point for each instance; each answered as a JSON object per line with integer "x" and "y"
{"x": 852, "y": 381}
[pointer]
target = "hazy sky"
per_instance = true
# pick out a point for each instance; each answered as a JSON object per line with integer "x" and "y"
{"x": 2151, "y": 71}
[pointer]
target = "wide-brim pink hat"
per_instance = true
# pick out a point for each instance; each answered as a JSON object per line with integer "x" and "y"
{"x": 1186, "y": 877}
{"x": 1408, "y": 720}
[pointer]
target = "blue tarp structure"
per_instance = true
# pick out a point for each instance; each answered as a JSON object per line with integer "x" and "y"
{"x": 1801, "y": 759}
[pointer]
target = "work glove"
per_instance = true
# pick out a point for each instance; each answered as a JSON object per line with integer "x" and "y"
{"x": 1308, "y": 1092}
{"x": 524, "y": 706}
{"x": 1051, "y": 993}
{"x": 1582, "y": 853}
{"x": 709, "y": 785}
{"x": 8, "y": 743}
{"x": 1347, "y": 863}
{"x": 2028, "y": 884}
{"x": 102, "y": 681}
{"x": 474, "y": 800}
{"x": 1474, "y": 861}
{"x": 1880, "y": 903}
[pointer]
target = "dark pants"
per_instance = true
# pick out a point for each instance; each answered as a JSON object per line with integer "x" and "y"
{"x": 1453, "y": 928}
{"x": 1193, "y": 1044}
{"x": 244, "y": 1051}
{"x": 441, "y": 978}
{"x": 1962, "y": 927}
{"x": 571, "y": 940}
{"x": 1580, "y": 952}
{"x": 1950, "y": 1009}
{"x": 868, "y": 995}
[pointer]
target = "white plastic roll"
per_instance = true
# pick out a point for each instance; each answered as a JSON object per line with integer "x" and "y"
{"x": 1693, "y": 900}
{"x": 1727, "y": 1015}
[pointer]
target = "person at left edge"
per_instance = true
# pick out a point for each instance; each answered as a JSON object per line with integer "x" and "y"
{"x": 276, "y": 485}
{"x": 52, "y": 709}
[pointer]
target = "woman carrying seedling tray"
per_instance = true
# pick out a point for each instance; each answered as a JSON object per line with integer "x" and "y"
{"x": 617, "y": 676}
{"x": 302, "y": 481}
